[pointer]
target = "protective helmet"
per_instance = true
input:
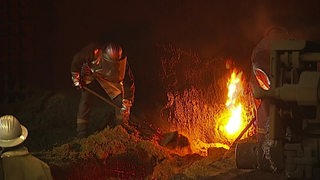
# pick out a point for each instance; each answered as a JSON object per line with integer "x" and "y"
{"x": 12, "y": 133}
{"x": 112, "y": 51}
{"x": 260, "y": 57}
{"x": 276, "y": 32}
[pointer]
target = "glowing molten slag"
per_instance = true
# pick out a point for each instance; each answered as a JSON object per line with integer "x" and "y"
{"x": 231, "y": 123}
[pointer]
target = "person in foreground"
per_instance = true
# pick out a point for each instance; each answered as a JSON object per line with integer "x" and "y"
{"x": 16, "y": 161}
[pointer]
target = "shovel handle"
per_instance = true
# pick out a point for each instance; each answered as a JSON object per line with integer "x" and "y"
{"x": 100, "y": 97}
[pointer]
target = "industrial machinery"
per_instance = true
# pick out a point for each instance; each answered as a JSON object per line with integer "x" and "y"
{"x": 292, "y": 142}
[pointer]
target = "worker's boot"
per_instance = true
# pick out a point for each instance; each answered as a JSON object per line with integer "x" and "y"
{"x": 82, "y": 128}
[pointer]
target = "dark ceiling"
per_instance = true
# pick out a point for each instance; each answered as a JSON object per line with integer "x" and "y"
{"x": 39, "y": 38}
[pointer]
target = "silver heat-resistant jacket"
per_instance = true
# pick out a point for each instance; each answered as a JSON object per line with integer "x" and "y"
{"x": 115, "y": 77}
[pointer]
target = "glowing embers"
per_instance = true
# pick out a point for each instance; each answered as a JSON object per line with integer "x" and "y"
{"x": 232, "y": 119}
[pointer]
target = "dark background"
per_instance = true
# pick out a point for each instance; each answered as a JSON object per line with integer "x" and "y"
{"x": 39, "y": 38}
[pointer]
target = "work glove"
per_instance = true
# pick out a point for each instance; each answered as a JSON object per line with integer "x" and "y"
{"x": 86, "y": 70}
{"x": 125, "y": 110}
{"x": 75, "y": 76}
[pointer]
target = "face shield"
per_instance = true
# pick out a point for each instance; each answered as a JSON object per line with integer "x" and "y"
{"x": 262, "y": 78}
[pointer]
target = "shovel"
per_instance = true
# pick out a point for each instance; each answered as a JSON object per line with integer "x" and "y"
{"x": 126, "y": 126}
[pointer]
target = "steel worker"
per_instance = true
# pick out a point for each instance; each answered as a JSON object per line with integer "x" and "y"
{"x": 103, "y": 66}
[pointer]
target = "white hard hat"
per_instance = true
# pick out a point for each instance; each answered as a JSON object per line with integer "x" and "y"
{"x": 12, "y": 133}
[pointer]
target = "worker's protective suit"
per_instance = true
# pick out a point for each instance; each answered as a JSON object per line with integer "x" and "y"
{"x": 103, "y": 66}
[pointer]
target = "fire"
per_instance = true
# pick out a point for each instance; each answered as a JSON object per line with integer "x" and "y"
{"x": 208, "y": 107}
{"x": 232, "y": 121}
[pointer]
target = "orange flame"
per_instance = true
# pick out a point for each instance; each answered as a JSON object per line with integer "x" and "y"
{"x": 209, "y": 125}
{"x": 232, "y": 121}
{"x": 234, "y": 90}
{"x": 234, "y": 117}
